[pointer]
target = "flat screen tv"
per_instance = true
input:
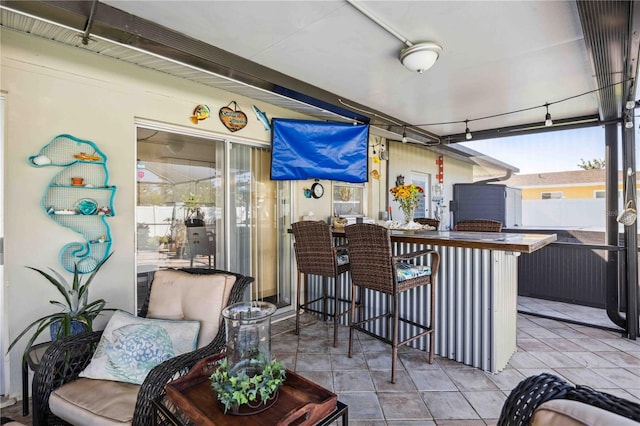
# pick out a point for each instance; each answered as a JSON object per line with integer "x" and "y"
{"x": 307, "y": 149}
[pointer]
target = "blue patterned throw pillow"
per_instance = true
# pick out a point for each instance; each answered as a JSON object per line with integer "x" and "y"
{"x": 131, "y": 346}
{"x": 406, "y": 271}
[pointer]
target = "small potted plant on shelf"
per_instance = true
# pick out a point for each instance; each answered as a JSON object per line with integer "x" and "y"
{"x": 242, "y": 394}
{"x": 77, "y": 313}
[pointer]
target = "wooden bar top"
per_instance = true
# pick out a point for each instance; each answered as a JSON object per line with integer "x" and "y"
{"x": 522, "y": 243}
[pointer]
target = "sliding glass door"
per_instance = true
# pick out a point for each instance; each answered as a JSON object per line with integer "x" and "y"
{"x": 209, "y": 203}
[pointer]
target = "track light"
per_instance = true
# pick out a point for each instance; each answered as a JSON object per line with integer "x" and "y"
{"x": 547, "y": 118}
{"x": 404, "y": 135}
{"x": 467, "y": 132}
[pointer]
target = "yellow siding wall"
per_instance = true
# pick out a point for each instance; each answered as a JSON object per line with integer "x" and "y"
{"x": 567, "y": 191}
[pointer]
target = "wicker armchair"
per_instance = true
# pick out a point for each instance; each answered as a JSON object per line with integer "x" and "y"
{"x": 428, "y": 221}
{"x": 66, "y": 358}
{"x": 479, "y": 225}
{"x": 374, "y": 267}
{"x": 316, "y": 254}
{"x": 532, "y": 392}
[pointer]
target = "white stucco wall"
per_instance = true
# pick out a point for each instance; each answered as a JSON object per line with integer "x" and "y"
{"x": 52, "y": 89}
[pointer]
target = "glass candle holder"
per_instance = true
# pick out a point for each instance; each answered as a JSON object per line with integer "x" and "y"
{"x": 248, "y": 326}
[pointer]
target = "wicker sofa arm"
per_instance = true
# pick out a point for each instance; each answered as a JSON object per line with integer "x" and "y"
{"x": 533, "y": 391}
{"x": 159, "y": 376}
{"x": 61, "y": 363}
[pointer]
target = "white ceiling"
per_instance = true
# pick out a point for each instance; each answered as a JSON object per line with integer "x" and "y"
{"x": 499, "y": 56}
{"x": 330, "y": 61}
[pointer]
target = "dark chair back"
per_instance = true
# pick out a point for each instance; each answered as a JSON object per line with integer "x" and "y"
{"x": 479, "y": 225}
{"x": 370, "y": 256}
{"x": 314, "y": 248}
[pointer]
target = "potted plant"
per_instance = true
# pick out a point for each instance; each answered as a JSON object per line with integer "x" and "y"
{"x": 77, "y": 313}
{"x": 243, "y": 394}
{"x": 193, "y": 215}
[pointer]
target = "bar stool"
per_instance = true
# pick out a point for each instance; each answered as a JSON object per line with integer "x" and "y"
{"x": 317, "y": 254}
{"x": 479, "y": 225}
{"x": 374, "y": 267}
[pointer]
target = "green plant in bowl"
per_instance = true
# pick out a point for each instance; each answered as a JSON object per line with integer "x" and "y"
{"x": 76, "y": 307}
{"x": 235, "y": 391}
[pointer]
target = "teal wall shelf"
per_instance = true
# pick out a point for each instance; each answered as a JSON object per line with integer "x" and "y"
{"x": 79, "y": 198}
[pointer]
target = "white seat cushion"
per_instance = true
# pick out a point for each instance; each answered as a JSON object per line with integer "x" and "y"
{"x": 95, "y": 402}
{"x": 565, "y": 412}
{"x": 182, "y": 296}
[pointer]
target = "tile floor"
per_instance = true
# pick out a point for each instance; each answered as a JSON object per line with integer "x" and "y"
{"x": 447, "y": 392}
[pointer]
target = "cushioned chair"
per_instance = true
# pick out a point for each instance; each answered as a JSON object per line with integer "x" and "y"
{"x": 428, "y": 221}
{"x": 374, "y": 267}
{"x": 186, "y": 294}
{"x": 547, "y": 400}
{"x": 479, "y": 225}
{"x": 317, "y": 254}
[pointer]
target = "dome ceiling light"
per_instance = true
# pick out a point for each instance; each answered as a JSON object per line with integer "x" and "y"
{"x": 421, "y": 56}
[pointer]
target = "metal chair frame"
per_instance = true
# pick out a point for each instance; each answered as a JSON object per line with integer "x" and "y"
{"x": 373, "y": 267}
{"x": 316, "y": 254}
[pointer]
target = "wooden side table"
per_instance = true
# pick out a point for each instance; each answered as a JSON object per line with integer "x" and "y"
{"x": 300, "y": 402}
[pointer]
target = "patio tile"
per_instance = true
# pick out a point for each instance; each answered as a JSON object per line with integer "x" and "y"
{"x": 540, "y": 332}
{"x": 621, "y": 359}
{"x": 362, "y": 405}
{"x": 382, "y": 381}
{"x": 312, "y": 345}
{"x": 417, "y": 360}
{"x": 352, "y": 381}
{"x": 620, "y": 377}
{"x": 313, "y": 362}
{"x": 581, "y": 376}
{"x": 531, "y": 344}
{"x": 525, "y": 360}
{"x": 381, "y": 360}
{"x": 432, "y": 380}
{"x": 592, "y": 344}
{"x": 507, "y": 379}
{"x": 590, "y": 359}
{"x": 486, "y": 403}
{"x": 343, "y": 362}
{"x": 562, "y": 344}
{"x": 555, "y": 359}
{"x": 410, "y": 423}
{"x": 448, "y": 405}
{"x": 403, "y": 406}
{"x": 622, "y": 344}
{"x": 323, "y": 378}
{"x": 461, "y": 423}
{"x": 470, "y": 379}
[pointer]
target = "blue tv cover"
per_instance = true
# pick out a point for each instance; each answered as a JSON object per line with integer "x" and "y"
{"x": 306, "y": 149}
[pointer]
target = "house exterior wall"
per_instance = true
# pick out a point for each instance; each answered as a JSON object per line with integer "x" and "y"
{"x": 50, "y": 89}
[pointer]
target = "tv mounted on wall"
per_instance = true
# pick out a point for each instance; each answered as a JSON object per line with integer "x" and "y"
{"x": 307, "y": 149}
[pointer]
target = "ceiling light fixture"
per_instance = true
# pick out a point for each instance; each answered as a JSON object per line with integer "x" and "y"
{"x": 547, "y": 118}
{"x": 421, "y": 56}
{"x": 467, "y": 132}
{"x": 404, "y": 135}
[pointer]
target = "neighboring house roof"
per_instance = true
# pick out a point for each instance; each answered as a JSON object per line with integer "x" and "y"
{"x": 573, "y": 177}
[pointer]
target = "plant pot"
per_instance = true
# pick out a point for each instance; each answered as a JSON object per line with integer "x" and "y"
{"x": 77, "y": 327}
{"x": 193, "y": 222}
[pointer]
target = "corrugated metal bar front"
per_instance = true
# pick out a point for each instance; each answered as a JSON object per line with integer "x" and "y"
{"x": 476, "y": 305}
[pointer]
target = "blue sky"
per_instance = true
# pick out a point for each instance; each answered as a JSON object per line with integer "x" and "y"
{"x": 547, "y": 152}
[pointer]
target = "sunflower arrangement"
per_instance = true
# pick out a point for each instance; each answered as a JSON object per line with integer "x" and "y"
{"x": 408, "y": 196}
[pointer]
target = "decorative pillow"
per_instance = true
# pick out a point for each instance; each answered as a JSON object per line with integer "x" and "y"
{"x": 131, "y": 346}
{"x": 406, "y": 271}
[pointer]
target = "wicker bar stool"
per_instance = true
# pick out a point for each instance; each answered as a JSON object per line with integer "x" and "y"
{"x": 317, "y": 254}
{"x": 374, "y": 267}
{"x": 479, "y": 225}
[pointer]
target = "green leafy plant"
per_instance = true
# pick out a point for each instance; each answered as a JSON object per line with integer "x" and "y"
{"x": 235, "y": 390}
{"x": 75, "y": 309}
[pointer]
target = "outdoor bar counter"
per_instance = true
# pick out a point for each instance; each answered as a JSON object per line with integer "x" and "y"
{"x": 476, "y": 292}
